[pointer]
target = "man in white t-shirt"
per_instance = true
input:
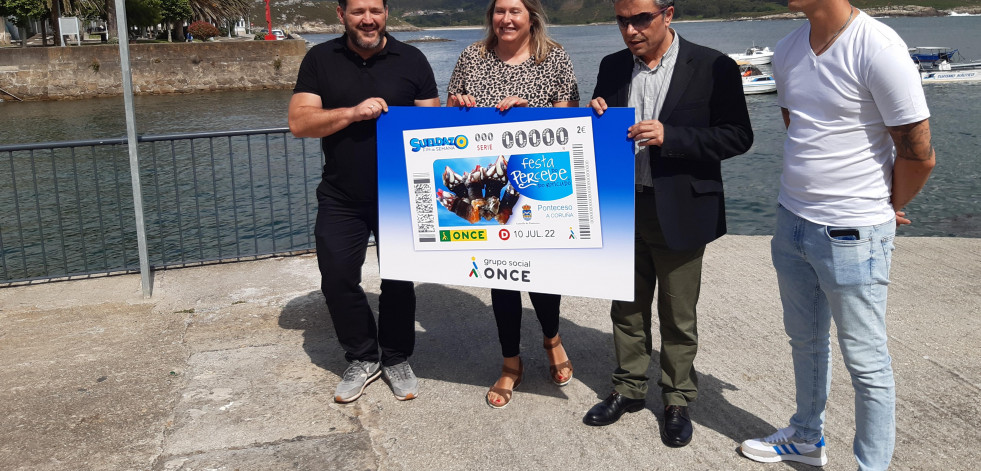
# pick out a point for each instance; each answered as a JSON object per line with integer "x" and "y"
{"x": 857, "y": 151}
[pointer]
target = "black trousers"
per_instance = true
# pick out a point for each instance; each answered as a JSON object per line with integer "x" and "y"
{"x": 342, "y": 232}
{"x": 507, "y": 313}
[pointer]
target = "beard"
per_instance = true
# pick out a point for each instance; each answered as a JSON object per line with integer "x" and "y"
{"x": 352, "y": 34}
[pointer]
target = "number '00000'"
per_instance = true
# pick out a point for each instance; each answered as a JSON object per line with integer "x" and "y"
{"x": 533, "y": 138}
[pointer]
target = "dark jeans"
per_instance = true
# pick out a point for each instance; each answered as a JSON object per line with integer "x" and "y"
{"x": 342, "y": 232}
{"x": 507, "y": 313}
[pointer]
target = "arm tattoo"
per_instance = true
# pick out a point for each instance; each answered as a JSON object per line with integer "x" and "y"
{"x": 912, "y": 141}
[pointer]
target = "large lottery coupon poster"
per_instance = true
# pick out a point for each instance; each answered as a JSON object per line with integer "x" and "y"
{"x": 533, "y": 199}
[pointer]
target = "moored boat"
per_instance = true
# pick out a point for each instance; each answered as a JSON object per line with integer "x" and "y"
{"x": 755, "y": 55}
{"x": 944, "y": 65}
{"x": 755, "y": 81}
{"x": 953, "y": 75}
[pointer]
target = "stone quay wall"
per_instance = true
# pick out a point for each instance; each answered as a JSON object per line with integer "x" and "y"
{"x": 58, "y": 73}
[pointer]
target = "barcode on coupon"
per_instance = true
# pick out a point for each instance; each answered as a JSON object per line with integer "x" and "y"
{"x": 422, "y": 188}
{"x": 584, "y": 197}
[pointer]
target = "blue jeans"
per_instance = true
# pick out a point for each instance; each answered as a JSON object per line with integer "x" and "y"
{"x": 824, "y": 272}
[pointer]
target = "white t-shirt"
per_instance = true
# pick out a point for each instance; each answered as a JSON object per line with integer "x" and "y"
{"x": 838, "y": 156}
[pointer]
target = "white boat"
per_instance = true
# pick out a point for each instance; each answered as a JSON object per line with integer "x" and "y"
{"x": 757, "y": 84}
{"x": 755, "y": 55}
{"x": 755, "y": 81}
{"x": 944, "y": 65}
{"x": 951, "y": 75}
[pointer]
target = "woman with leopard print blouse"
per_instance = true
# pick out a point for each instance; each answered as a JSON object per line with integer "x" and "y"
{"x": 517, "y": 64}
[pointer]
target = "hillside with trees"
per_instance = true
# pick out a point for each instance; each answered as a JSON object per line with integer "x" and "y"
{"x": 318, "y": 16}
{"x": 436, "y": 13}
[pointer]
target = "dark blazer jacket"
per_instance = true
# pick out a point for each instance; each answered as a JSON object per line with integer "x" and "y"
{"x": 705, "y": 122}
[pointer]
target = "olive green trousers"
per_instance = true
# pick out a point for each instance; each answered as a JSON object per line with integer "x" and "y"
{"x": 677, "y": 275}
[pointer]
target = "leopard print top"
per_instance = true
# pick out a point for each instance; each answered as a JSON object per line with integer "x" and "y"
{"x": 489, "y": 79}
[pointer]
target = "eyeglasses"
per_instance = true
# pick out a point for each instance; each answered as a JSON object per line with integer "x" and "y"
{"x": 640, "y": 20}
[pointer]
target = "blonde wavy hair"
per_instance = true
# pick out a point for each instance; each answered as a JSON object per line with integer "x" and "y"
{"x": 541, "y": 44}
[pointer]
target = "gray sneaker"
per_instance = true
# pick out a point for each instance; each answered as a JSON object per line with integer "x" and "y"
{"x": 781, "y": 446}
{"x": 356, "y": 377}
{"x": 404, "y": 383}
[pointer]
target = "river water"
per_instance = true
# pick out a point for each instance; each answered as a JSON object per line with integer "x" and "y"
{"x": 948, "y": 206}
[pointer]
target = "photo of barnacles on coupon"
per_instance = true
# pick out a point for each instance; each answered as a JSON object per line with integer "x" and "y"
{"x": 536, "y": 190}
{"x": 480, "y": 194}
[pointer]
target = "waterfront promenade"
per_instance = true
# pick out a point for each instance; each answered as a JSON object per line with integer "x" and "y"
{"x": 232, "y": 366}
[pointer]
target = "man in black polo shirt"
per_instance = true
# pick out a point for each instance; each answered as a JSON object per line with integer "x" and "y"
{"x": 342, "y": 87}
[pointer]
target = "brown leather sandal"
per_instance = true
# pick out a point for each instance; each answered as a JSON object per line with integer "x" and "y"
{"x": 506, "y": 393}
{"x": 551, "y": 344}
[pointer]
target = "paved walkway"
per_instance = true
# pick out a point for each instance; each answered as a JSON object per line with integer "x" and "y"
{"x": 233, "y": 367}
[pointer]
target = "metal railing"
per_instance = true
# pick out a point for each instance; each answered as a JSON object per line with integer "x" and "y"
{"x": 66, "y": 208}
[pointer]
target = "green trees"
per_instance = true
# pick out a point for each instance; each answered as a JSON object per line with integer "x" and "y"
{"x": 22, "y": 12}
{"x": 174, "y": 11}
{"x": 139, "y": 13}
{"x": 217, "y": 10}
{"x": 143, "y": 13}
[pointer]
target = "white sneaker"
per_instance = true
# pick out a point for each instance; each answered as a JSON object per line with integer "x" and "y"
{"x": 781, "y": 446}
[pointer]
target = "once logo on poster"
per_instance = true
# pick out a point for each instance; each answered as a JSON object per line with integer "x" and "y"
{"x": 502, "y": 269}
{"x": 463, "y": 235}
{"x": 473, "y": 271}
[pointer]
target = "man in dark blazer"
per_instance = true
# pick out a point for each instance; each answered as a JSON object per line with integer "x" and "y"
{"x": 691, "y": 114}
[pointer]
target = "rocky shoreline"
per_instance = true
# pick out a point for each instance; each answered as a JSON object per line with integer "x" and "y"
{"x": 319, "y": 27}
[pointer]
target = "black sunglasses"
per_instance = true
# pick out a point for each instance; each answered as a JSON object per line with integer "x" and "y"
{"x": 640, "y": 20}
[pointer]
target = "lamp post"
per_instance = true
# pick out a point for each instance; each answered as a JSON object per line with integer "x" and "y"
{"x": 269, "y": 35}
{"x": 134, "y": 161}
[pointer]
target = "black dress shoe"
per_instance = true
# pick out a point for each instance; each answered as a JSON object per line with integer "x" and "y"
{"x": 677, "y": 426}
{"x": 610, "y": 410}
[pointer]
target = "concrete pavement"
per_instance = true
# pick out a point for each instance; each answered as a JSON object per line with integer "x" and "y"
{"x": 233, "y": 366}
